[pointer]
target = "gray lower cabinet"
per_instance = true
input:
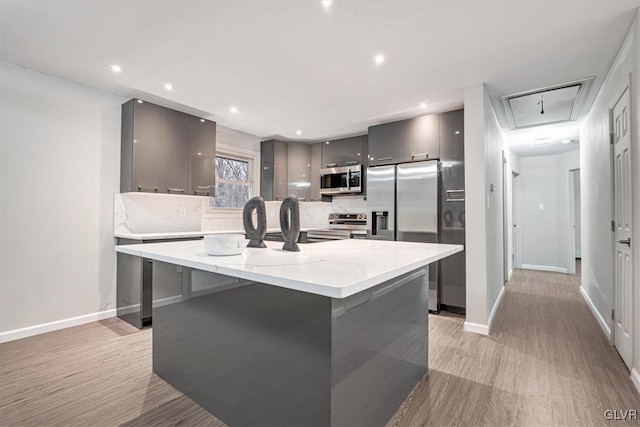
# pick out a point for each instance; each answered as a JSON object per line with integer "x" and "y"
{"x": 166, "y": 151}
{"x": 421, "y": 138}
{"x": 385, "y": 143}
{"x": 299, "y": 170}
{"x": 142, "y": 284}
{"x": 273, "y": 171}
{"x": 202, "y": 157}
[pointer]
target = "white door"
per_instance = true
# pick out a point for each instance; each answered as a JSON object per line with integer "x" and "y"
{"x": 623, "y": 320}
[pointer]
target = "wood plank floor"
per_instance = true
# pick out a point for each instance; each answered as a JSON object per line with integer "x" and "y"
{"x": 547, "y": 363}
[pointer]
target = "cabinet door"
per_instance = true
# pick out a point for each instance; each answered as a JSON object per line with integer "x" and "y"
{"x": 332, "y": 154}
{"x": 316, "y": 165}
{"x": 299, "y": 170}
{"x": 147, "y": 143}
{"x": 280, "y": 164}
{"x": 202, "y": 156}
{"x": 353, "y": 151}
{"x": 175, "y": 152}
{"x": 385, "y": 144}
{"x": 267, "y": 176}
{"x": 421, "y": 139}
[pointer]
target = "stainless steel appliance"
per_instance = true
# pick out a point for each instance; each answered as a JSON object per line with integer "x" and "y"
{"x": 425, "y": 202}
{"x": 402, "y": 202}
{"x": 341, "y": 226}
{"x": 341, "y": 180}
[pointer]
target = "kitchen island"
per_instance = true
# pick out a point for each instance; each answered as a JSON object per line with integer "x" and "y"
{"x": 335, "y": 334}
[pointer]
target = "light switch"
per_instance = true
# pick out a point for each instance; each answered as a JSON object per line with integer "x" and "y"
{"x": 540, "y": 206}
{"x": 183, "y": 211}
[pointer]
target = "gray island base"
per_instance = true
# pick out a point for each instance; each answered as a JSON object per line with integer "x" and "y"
{"x": 254, "y": 354}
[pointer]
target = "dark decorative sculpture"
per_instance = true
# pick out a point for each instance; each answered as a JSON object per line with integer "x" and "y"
{"x": 290, "y": 223}
{"x": 256, "y": 234}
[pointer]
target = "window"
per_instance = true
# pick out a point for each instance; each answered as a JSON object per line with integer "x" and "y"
{"x": 233, "y": 182}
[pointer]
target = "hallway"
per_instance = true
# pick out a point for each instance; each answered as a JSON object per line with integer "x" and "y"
{"x": 546, "y": 363}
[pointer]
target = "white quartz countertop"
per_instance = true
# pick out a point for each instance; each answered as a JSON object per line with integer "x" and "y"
{"x": 182, "y": 234}
{"x": 335, "y": 269}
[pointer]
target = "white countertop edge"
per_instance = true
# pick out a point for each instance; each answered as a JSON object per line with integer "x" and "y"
{"x": 314, "y": 288}
{"x": 184, "y": 234}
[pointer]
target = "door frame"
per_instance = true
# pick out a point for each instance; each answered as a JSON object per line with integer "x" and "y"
{"x": 515, "y": 217}
{"x": 634, "y": 286}
{"x": 572, "y": 217}
{"x": 505, "y": 221}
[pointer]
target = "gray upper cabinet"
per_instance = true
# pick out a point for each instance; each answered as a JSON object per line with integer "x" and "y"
{"x": 332, "y": 154}
{"x": 160, "y": 149}
{"x": 316, "y": 165}
{"x": 343, "y": 152}
{"x": 421, "y": 138}
{"x": 145, "y": 144}
{"x": 202, "y": 156}
{"x": 385, "y": 143}
{"x": 299, "y": 170}
{"x": 273, "y": 170}
{"x": 175, "y": 152}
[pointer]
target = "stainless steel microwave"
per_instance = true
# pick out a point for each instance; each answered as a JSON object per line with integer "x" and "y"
{"x": 342, "y": 180}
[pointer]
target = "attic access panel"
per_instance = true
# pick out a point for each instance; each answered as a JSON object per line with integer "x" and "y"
{"x": 562, "y": 103}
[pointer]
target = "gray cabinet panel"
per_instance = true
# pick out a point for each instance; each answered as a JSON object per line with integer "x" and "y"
{"x": 316, "y": 165}
{"x": 421, "y": 139}
{"x": 202, "y": 156}
{"x": 175, "y": 152}
{"x": 385, "y": 143}
{"x": 147, "y": 147}
{"x": 273, "y": 173}
{"x": 280, "y": 165}
{"x": 332, "y": 154}
{"x": 299, "y": 170}
{"x": 353, "y": 151}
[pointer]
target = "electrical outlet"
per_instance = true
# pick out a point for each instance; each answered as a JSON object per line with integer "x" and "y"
{"x": 183, "y": 211}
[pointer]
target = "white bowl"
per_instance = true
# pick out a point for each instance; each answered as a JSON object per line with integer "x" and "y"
{"x": 224, "y": 244}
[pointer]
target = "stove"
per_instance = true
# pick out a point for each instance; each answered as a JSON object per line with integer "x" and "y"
{"x": 341, "y": 226}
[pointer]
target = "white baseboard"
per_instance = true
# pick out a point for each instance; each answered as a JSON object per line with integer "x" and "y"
{"x": 635, "y": 377}
{"x": 495, "y": 307}
{"x": 601, "y": 321}
{"x": 17, "y": 334}
{"x": 544, "y": 268}
{"x": 476, "y": 328}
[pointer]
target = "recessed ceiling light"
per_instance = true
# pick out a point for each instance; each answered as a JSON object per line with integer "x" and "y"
{"x": 298, "y": 132}
{"x": 326, "y": 3}
{"x": 139, "y": 101}
{"x": 423, "y": 105}
{"x": 566, "y": 141}
{"x": 116, "y": 68}
{"x": 234, "y": 110}
{"x": 379, "y": 59}
{"x": 168, "y": 86}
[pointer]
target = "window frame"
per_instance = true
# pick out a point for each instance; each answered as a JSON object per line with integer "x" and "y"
{"x": 247, "y": 156}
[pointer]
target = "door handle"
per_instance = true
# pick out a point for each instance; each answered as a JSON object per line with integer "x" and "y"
{"x": 351, "y": 162}
{"x": 175, "y": 190}
{"x": 626, "y": 241}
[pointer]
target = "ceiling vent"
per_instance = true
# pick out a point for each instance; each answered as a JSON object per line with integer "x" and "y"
{"x": 554, "y": 104}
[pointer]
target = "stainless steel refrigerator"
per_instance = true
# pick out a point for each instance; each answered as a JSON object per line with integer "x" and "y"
{"x": 403, "y": 205}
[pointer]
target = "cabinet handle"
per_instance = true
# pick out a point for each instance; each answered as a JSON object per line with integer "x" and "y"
{"x": 382, "y": 159}
{"x": 154, "y": 189}
{"x": 197, "y": 191}
{"x": 455, "y": 200}
{"x": 331, "y": 165}
{"x": 455, "y": 191}
{"x": 351, "y": 162}
{"x": 175, "y": 190}
{"x": 204, "y": 186}
{"x": 426, "y": 155}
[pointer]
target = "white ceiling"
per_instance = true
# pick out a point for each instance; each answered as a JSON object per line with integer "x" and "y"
{"x": 294, "y": 65}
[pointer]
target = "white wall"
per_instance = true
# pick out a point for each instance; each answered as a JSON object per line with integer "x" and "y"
{"x": 596, "y": 183}
{"x": 59, "y": 169}
{"x": 484, "y": 145}
{"x": 545, "y": 234}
